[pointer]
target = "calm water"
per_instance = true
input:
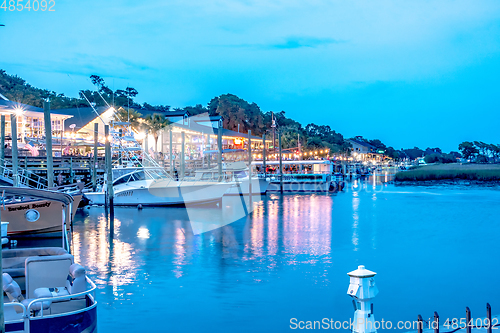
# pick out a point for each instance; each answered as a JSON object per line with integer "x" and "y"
{"x": 434, "y": 248}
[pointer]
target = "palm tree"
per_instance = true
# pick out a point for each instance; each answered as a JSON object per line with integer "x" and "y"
{"x": 132, "y": 116}
{"x": 154, "y": 124}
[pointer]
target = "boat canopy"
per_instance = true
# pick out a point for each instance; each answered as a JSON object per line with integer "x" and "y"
{"x": 35, "y": 193}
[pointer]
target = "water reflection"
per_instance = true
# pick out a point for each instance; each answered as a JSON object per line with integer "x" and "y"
{"x": 288, "y": 257}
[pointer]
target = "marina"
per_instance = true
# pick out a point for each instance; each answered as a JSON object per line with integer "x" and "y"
{"x": 249, "y": 166}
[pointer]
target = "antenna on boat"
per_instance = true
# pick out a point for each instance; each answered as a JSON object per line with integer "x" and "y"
{"x": 132, "y": 144}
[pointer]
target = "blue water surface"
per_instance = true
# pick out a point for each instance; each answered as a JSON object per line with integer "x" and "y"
{"x": 434, "y": 248}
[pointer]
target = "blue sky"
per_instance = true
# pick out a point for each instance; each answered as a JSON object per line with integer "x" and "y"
{"x": 412, "y": 73}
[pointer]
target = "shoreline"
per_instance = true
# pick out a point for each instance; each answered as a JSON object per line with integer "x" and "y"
{"x": 454, "y": 173}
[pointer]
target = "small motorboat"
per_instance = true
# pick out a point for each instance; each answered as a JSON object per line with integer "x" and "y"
{"x": 46, "y": 291}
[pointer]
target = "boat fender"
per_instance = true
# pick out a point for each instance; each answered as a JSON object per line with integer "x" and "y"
{"x": 139, "y": 206}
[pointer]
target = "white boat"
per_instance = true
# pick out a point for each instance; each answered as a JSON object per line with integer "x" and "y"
{"x": 237, "y": 173}
{"x": 46, "y": 291}
{"x": 154, "y": 187}
{"x": 39, "y": 215}
{"x": 299, "y": 176}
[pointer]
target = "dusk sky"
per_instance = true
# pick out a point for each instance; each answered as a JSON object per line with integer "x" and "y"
{"x": 411, "y": 73}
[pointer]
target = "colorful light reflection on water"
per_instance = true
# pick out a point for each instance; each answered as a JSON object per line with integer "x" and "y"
{"x": 430, "y": 246}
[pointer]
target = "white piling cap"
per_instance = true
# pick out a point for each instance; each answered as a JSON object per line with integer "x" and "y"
{"x": 361, "y": 272}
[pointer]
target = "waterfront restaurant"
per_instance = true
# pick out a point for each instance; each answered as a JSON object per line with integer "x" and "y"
{"x": 74, "y": 128}
{"x": 363, "y": 151}
{"x": 30, "y": 123}
{"x": 200, "y": 135}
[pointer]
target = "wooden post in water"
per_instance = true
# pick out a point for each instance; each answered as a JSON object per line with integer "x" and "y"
{"x": 219, "y": 145}
{"x": 208, "y": 147}
{"x": 146, "y": 152}
{"x": 2, "y": 140}
{"x": 264, "y": 154}
{"x": 94, "y": 169}
{"x": 48, "y": 144}
{"x": 281, "y": 162}
{"x": 13, "y": 135}
{"x": 467, "y": 320}
{"x": 435, "y": 323}
{"x": 420, "y": 324}
{"x": 183, "y": 156}
{"x": 62, "y": 131}
{"x": 170, "y": 154}
{"x": 249, "y": 162}
{"x": 488, "y": 315}
{"x": 2, "y": 319}
{"x": 71, "y": 179}
{"x": 109, "y": 172}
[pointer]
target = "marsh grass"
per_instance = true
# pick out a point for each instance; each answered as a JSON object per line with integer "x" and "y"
{"x": 481, "y": 172}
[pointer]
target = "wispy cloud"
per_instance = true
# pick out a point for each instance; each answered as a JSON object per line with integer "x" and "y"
{"x": 290, "y": 43}
{"x": 300, "y": 42}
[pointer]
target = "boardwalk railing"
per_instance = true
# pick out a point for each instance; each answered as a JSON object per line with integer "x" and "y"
{"x": 24, "y": 177}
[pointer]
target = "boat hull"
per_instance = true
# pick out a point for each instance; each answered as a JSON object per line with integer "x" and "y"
{"x": 164, "y": 194}
{"x": 81, "y": 322}
{"x": 302, "y": 183}
{"x": 259, "y": 186}
{"x": 49, "y": 220}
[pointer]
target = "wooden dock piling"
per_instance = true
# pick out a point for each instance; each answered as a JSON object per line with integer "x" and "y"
{"x": 109, "y": 172}
{"x": 170, "y": 153}
{"x": 436, "y": 322}
{"x": 281, "y": 162}
{"x": 48, "y": 143}
{"x": 467, "y": 319}
{"x": 488, "y": 315}
{"x": 264, "y": 154}
{"x": 94, "y": 162}
{"x": 250, "y": 162}
{"x": 2, "y": 318}
{"x": 208, "y": 147}
{"x": 13, "y": 135}
{"x": 420, "y": 325}
{"x": 183, "y": 155}
{"x": 219, "y": 145}
{"x": 2, "y": 139}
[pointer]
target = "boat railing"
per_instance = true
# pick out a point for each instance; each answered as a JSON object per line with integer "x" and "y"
{"x": 27, "y": 310}
{"x": 24, "y": 318}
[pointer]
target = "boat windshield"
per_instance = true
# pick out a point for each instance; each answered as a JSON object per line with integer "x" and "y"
{"x": 131, "y": 177}
{"x": 240, "y": 174}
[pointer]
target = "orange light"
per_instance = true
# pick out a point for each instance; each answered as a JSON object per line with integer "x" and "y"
{"x": 237, "y": 141}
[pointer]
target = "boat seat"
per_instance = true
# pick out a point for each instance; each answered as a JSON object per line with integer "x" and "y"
{"x": 13, "y": 292}
{"x": 11, "y": 288}
{"x": 75, "y": 283}
{"x": 46, "y": 272}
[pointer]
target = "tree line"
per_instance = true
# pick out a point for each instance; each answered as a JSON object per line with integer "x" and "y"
{"x": 479, "y": 151}
{"x": 238, "y": 114}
